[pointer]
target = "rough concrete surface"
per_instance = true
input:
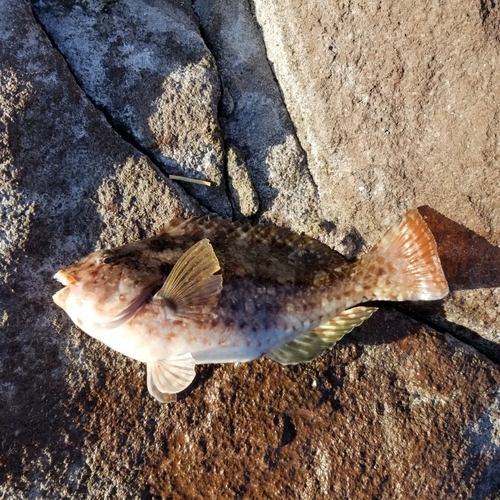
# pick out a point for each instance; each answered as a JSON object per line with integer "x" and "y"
{"x": 332, "y": 119}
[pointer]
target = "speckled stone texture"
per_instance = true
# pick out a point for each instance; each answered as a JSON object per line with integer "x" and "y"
{"x": 147, "y": 67}
{"x": 410, "y": 94}
{"x": 332, "y": 119}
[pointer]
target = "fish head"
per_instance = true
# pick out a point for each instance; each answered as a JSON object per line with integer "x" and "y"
{"x": 107, "y": 287}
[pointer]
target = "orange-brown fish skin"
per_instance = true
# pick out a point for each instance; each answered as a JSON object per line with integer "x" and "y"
{"x": 271, "y": 293}
{"x": 276, "y": 287}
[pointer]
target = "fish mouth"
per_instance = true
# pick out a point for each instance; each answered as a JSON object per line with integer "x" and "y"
{"x": 64, "y": 278}
{"x": 60, "y": 297}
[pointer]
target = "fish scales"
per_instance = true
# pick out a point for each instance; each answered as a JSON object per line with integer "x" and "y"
{"x": 207, "y": 290}
{"x": 273, "y": 288}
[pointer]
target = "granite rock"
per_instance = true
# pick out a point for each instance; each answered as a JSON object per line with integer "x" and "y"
{"x": 408, "y": 405}
{"x": 398, "y": 106}
{"x": 255, "y": 120}
{"x": 147, "y": 67}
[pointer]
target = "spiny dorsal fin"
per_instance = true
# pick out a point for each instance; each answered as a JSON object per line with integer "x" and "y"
{"x": 191, "y": 287}
{"x": 170, "y": 376}
{"x": 312, "y": 344}
{"x": 294, "y": 245}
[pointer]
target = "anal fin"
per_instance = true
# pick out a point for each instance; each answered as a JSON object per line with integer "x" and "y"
{"x": 170, "y": 376}
{"x": 310, "y": 345}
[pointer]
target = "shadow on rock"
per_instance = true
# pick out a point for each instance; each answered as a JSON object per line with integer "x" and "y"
{"x": 469, "y": 261}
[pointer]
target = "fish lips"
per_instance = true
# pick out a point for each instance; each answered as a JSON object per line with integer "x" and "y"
{"x": 61, "y": 296}
{"x": 64, "y": 278}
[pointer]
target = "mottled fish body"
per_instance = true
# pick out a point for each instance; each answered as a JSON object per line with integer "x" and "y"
{"x": 214, "y": 291}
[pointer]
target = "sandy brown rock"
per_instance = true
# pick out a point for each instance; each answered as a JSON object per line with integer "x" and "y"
{"x": 397, "y": 106}
{"x": 396, "y": 410}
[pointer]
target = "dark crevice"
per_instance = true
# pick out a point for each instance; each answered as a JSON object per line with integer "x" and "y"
{"x": 461, "y": 333}
{"x": 226, "y": 179}
{"x": 125, "y": 135}
{"x": 278, "y": 86}
{"x": 219, "y": 106}
{"x": 485, "y": 9}
{"x": 219, "y": 123}
{"x": 219, "y": 111}
{"x": 130, "y": 139}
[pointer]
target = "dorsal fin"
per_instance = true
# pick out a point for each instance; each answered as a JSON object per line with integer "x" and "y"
{"x": 281, "y": 239}
{"x": 310, "y": 345}
{"x": 191, "y": 288}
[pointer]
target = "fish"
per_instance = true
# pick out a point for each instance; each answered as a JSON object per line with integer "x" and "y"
{"x": 209, "y": 290}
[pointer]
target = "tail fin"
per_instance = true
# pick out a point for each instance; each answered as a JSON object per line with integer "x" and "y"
{"x": 404, "y": 265}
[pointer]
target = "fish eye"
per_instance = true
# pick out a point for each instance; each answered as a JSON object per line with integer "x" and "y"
{"x": 107, "y": 258}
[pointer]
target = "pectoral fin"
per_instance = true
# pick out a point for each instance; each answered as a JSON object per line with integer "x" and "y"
{"x": 191, "y": 288}
{"x": 170, "y": 376}
{"x": 312, "y": 344}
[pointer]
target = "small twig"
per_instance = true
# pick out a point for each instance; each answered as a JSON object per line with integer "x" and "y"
{"x": 188, "y": 179}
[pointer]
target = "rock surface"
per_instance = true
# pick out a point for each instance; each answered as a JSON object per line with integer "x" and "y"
{"x": 381, "y": 110}
{"x": 142, "y": 63}
{"x": 410, "y": 96}
{"x": 255, "y": 119}
{"x": 396, "y": 106}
